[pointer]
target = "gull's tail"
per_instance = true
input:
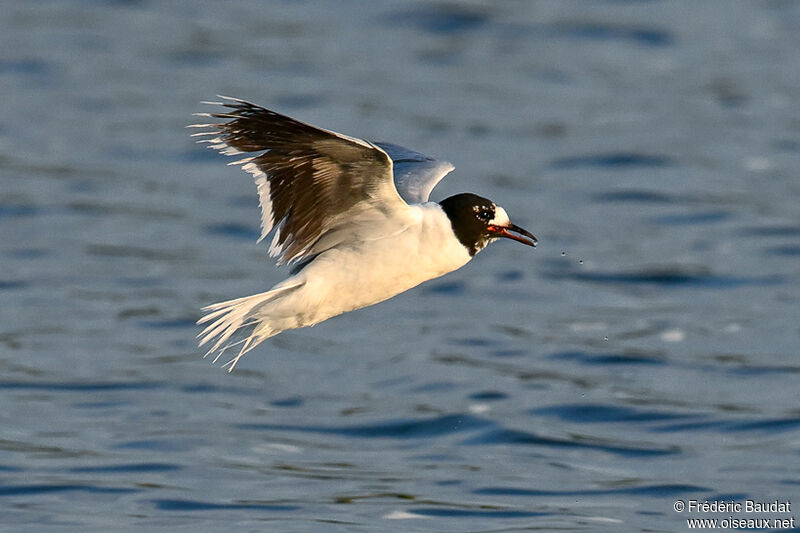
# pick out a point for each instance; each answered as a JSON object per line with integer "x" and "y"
{"x": 241, "y": 321}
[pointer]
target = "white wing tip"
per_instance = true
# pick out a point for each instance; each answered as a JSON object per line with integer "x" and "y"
{"x": 231, "y": 98}
{"x": 241, "y": 161}
{"x": 203, "y": 133}
{"x": 227, "y": 149}
{"x": 223, "y": 97}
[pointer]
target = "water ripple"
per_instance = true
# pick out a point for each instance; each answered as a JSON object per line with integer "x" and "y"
{"x": 42, "y": 488}
{"x": 138, "y": 252}
{"x": 9, "y": 285}
{"x": 595, "y": 413}
{"x": 449, "y": 288}
{"x": 488, "y": 396}
{"x": 691, "y": 219}
{"x": 664, "y": 422}
{"x": 18, "y": 210}
{"x": 26, "y": 67}
{"x": 163, "y": 445}
{"x": 656, "y": 491}
{"x": 771, "y": 425}
{"x": 234, "y": 230}
{"x": 609, "y": 358}
{"x": 440, "y": 19}
{"x": 677, "y": 276}
{"x": 772, "y": 231}
{"x": 519, "y": 437}
{"x": 784, "y": 251}
{"x": 612, "y": 160}
{"x": 396, "y": 429}
{"x": 598, "y": 31}
{"x": 169, "y": 323}
{"x": 194, "y": 505}
{"x": 126, "y": 468}
{"x": 474, "y": 513}
{"x": 79, "y": 387}
{"x": 292, "y": 401}
{"x": 635, "y": 196}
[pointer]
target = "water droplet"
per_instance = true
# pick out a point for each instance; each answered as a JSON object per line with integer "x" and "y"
{"x": 605, "y": 338}
{"x": 563, "y": 253}
{"x": 580, "y": 262}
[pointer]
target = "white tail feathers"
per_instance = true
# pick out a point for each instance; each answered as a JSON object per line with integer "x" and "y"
{"x": 240, "y": 321}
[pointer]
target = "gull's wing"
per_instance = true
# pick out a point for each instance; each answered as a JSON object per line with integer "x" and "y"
{"x": 415, "y": 174}
{"x": 312, "y": 183}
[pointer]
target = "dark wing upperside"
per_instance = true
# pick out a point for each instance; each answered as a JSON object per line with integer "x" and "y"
{"x": 310, "y": 181}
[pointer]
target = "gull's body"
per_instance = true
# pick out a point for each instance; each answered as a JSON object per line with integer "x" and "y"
{"x": 352, "y": 216}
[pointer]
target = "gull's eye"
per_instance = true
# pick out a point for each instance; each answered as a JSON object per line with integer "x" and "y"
{"x": 485, "y": 215}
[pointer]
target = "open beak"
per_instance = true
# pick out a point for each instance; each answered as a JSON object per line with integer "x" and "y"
{"x": 525, "y": 236}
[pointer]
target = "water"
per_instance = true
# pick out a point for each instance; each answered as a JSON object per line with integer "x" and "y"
{"x": 646, "y": 352}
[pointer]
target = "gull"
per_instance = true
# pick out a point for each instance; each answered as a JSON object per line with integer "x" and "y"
{"x": 350, "y": 217}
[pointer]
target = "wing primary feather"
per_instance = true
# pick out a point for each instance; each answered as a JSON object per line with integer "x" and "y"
{"x": 308, "y": 178}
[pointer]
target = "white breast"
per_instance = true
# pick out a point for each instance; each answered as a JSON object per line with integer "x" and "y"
{"x": 347, "y": 278}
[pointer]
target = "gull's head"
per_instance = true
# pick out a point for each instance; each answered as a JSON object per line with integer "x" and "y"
{"x": 477, "y": 221}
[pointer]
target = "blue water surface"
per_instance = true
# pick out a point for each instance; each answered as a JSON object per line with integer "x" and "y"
{"x": 646, "y": 352}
